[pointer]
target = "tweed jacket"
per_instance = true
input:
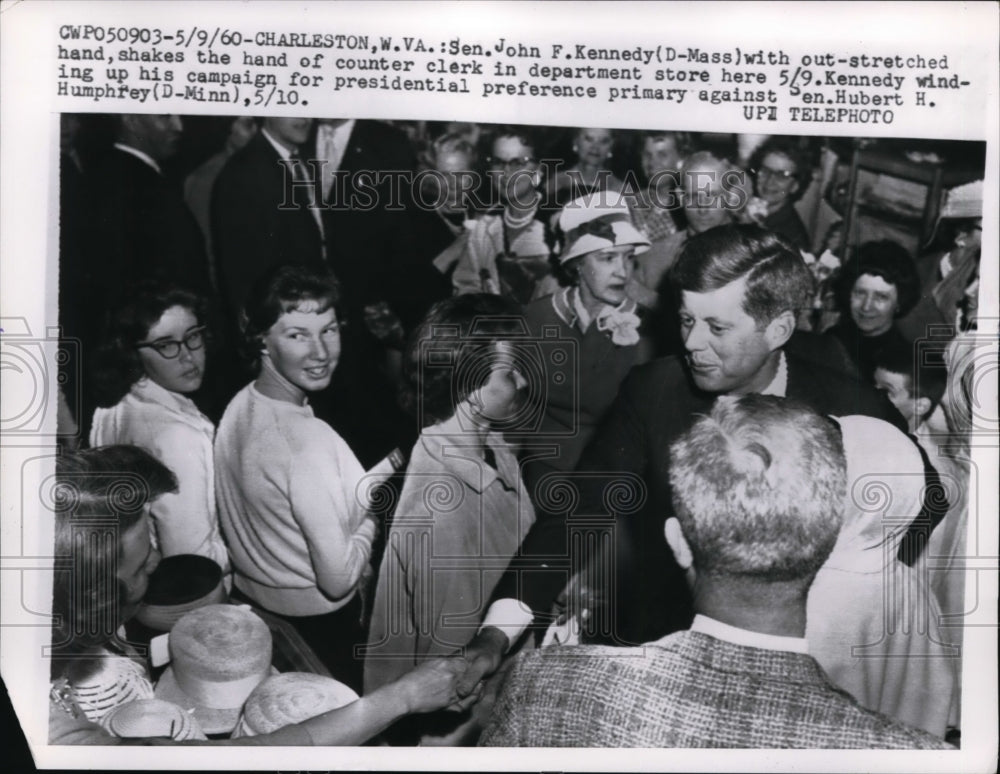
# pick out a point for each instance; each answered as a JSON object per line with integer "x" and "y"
{"x": 686, "y": 690}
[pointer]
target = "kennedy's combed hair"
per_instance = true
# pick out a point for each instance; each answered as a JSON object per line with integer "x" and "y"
{"x": 778, "y": 279}
{"x": 759, "y": 487}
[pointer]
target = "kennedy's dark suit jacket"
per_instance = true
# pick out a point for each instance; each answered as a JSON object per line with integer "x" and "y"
{"x": 251, "y": 229}
{"x": 623, "y": 473}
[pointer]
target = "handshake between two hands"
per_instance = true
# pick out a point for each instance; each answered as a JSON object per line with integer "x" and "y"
{"x": 456, "y": 682}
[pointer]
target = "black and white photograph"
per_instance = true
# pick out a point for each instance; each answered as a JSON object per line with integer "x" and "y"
{"x": 469, "y": 423}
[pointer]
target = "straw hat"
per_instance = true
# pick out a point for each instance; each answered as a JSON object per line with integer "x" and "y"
{"x": 290, "y": 698}
{"x": 178, "y": 585}
{"x": 218, "y": 655}
{"x": 152, "y": 718}
{"x": 593, "y": 222}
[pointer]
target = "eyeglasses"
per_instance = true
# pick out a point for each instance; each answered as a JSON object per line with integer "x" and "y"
{"x": 784, "y": 174}
{"x": 514, "y": 163}
{"x": 171, "y": 348}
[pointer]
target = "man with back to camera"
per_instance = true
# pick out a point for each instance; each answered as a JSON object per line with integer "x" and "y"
{"x": 758, "y": 487}
{"x": 739, "y": 289}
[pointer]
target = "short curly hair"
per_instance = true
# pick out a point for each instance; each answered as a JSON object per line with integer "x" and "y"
{"x": 789, "y": 148}
{"x": 460, "y": 331}
{"x": 888, "y": 260}
{"x": 117, "y": 365}
{"x": 283, "y": 289}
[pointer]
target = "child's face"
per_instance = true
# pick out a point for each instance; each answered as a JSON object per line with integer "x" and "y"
{"x": 897, "y": 389}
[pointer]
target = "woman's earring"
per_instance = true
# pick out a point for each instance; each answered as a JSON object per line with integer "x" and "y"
{"x": 575, "y": 148}
{"x": 610, "y": 154}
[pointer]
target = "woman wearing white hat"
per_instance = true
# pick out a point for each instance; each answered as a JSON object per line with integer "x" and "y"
{"x": 597, "y": 259}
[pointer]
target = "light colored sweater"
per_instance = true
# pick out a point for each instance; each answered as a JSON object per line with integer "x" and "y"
{"x": 171, "y": 428}
{"x": 288, "y": 488}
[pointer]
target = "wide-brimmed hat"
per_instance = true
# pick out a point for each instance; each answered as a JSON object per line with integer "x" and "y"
{"x": 218, "y": 655}
{"x": 596, "y": 222}
{"x": 290, "y": 698}
{"x": 178, "y": 585}
{"x": 152, "y": 718}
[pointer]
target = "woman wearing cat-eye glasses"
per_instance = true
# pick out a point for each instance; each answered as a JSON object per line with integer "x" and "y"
{"x": 153, "y": 358}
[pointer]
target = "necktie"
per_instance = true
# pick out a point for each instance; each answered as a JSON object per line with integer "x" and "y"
{"x": 303, "y": 192}
{"x": 329, "y": 155}
{"x": 489, "y": 457}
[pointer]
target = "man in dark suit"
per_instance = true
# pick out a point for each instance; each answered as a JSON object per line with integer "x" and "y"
{"x": 262, "y": 213}
{"x": 363, "y": 176}
{"x": 365, "y": 171}
{"x": 125, "y": 223}
{"x": 141, "y": 227}
{"x": 739, "y": 289}
{"x": 758, "y": 485}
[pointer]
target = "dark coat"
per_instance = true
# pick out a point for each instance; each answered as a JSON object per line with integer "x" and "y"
{"x": 366, "y": 215}
{"x": 140, "y": 229}
{"x": 623, "y": 472}
{"x": 251, "y": 230}
{"x": 786, "y": 221}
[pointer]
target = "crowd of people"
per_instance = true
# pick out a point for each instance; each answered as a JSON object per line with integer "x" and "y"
{"x": 534, "y": 437}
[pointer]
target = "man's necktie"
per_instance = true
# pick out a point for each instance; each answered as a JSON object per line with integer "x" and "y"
{"x": 303, "y": 191}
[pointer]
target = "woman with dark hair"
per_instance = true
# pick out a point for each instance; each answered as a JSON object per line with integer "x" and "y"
{"x": 506, "y": 252}
{"x": 462, "y": 501}
{"x": 153, "y": 358}
{"x": 110, "y": 491}
{"x": 781, "y": 173}
{"x": 875, "y": 287}
{"x": 287, "y": 483}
